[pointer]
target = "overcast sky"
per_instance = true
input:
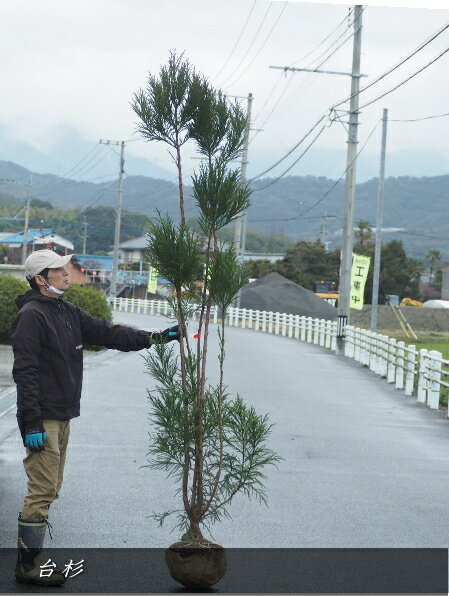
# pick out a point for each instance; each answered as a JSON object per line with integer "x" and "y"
{"x": 77, "y": 62}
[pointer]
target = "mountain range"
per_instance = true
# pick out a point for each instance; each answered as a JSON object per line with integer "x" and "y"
{"x": 416, "y": 208}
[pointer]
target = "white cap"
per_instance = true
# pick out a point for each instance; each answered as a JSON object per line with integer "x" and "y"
{"x": 43, "y": 259}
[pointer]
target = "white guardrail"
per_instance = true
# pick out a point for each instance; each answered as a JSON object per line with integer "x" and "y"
{"x": 422, "y": 372}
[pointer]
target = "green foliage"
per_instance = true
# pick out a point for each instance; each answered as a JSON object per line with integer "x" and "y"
{"x": 90, "y": 300}
{"x": 40, "y": 204}
{"x": 307, "y": 262}
{"x": 174, "y": 251}
{"x": 211, "y": 445}
{"x": 10, "y": 288}
{"x": 226, "y": 278}
{"x": 220, "y": 196}
{"x": 165, "y": 107}
{"x": 260, "y": 268}
{"x": 399, "y": 273}
{"x": 217, "y": 125}
{"x": 240, "y": 443}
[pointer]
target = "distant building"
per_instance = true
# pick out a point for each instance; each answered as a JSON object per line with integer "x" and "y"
{"x": 37, "y": 239}
{"x": 265, "y": 256}
{"x": 133, "y": 251}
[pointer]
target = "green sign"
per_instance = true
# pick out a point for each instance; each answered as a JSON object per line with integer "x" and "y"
{"x": 152, "y": 281}
{"x": 359, "y": 273}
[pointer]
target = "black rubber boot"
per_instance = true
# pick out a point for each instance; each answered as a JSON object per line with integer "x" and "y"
{"x": 30, "y": 557}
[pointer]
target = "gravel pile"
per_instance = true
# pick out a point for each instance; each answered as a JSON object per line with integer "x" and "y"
{"x": 277, "y": 294}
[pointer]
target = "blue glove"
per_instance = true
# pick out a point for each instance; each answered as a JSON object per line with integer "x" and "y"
{"x": 165, "y": 336}
{"x": 35, "y": 438}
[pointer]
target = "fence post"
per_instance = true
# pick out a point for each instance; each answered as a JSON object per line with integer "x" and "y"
{"x": 356, "y": 336}
{"x": 400, "y": 365}
{"x": 297, "y": 326}
{"x": 410, "y": 376}
{"x": 284, "y": 324}
{"x": 391, "y": 359}
{"x": 264, "y": 321}
{"x": 276, "y": 323}
{"x": 257, "y": 320}
{"x": 334, "y": 336}
{"x": 290, "y": 325}
{"x": 348, "y": 348}
{"x": 309, "y": 329}
{"x": 422, "y": 382}
{"x": 328, "y": 333}
{"x": 270, "y": 321}
{"x": 303, "y": 323}
{"x": 316, "y": 330}
{"x": 372, "y": 351}
{"x": 433, "y": 393}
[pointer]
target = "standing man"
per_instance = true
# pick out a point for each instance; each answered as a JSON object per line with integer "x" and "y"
{"x": 48, "y": 335}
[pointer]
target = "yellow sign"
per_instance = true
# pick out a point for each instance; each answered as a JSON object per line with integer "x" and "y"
{"x": 359, "y": 273}
{"x": 152, "y": 281}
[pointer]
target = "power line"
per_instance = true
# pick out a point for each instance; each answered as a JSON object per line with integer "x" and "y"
{"x": 68, "y": 183}
{"x": 406, "y": 80}
{"x": 382, "y": 76}
{"x": 300, "y": 86}
{"x": 290, "y": 151}
{"x": 374, "y": 100}
{"x": 419, "y": 119}
{"x": 351, "y": 10}
{"x": 61, "y": 179}
{"x": 237, "y": 42}
{"x": 249, "y": 47}
{"x": 321, "y": 199}
{"x": 261, "y": 47}
{"x": 296, "y": 160}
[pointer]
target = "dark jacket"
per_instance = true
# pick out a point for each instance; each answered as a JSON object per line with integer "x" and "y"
{"x": 47, "y": 338}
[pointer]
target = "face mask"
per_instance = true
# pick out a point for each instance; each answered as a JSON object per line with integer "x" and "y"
{"x": 52, "y": 289}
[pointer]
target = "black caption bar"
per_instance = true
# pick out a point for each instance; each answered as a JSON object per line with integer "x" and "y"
{"x": 251, "y": 570}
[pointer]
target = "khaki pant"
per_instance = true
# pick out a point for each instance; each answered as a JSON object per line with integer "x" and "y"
{"x": 45, "y": 470}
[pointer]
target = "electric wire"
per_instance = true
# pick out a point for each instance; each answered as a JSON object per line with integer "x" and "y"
{"x": 299, "y": 88}
{"x": 261, "y": 47}
{"x": 351, "y": 10}
{"x": 393, "y": 68}
{"x": 376, "y": 99}
{"x": 418, "y": 119}
{"x": 406, "y": 80}
{"x": 321, "y": 199}
{"x": 62, "y": 179}
{"x": 237, "y": 42}
{"x": 71, "y": 182}
{"x": 311, "y": 81}
{"x": 291, "y": 150}
{"x": 249, "y": 47}
{"x": 296, "y": 160}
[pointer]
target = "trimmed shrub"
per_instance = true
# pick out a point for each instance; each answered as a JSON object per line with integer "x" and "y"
{"x": 90, "y": 300}
{"x": 10, "y": 288}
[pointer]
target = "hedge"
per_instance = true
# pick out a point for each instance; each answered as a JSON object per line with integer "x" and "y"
{"x": 91, "y": 300}
{"x": 10, "y": 288}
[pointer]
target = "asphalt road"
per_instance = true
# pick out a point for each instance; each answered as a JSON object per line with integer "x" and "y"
{"x": 364, "y": 465}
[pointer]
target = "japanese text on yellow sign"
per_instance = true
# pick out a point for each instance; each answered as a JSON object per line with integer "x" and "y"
{"x": 359, "y": 273}
{"x": 152, "y": 281}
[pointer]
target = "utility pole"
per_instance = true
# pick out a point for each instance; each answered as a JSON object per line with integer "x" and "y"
{"x": 348, "y": 224}
{"x": 84, "y": 235}
{"x": 379, "y": 221}
{"x": 27, "y": 219}
{"x": 239, "y": 219}
{"x": 323, "y": 230}
{"x": 118, "y": 215}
